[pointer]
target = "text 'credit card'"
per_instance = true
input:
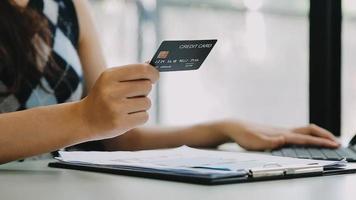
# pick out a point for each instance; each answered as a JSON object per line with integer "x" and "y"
{"x": 181, "y": 55}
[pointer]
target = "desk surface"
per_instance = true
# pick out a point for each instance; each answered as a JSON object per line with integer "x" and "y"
{"x": 33, "y": 180}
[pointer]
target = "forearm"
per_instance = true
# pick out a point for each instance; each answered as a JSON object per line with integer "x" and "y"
{"x": 204, "y": 135}
{"x": 40, "y": 130}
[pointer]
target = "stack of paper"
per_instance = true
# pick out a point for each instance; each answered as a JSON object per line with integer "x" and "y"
{"x": 189, "y": 160}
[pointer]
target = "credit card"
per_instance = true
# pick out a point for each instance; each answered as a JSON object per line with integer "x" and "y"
{"x": 181, "y": 54}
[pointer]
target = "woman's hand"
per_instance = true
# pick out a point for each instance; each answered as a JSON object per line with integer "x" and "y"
{"x": 258, "y": 137}
{"x": 118, "y": 101}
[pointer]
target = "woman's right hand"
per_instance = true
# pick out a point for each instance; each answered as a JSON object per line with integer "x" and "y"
{"x": 118, "y": 101}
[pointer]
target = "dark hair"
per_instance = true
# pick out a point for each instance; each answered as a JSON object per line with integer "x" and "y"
{"x": 19, "y": 54}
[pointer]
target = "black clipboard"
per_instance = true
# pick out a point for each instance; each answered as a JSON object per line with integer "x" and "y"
{"x": 193, "y": 178}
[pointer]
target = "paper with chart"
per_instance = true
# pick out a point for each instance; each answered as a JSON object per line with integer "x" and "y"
{"x": 186, "y": 158}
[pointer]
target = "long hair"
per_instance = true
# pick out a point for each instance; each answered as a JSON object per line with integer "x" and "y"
{"x": 20, "y": 54}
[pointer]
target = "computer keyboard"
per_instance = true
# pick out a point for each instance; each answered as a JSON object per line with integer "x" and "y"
{"x": 317, "y": 153}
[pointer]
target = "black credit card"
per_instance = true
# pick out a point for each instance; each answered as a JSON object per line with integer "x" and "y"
{"x": 181, "y": 55}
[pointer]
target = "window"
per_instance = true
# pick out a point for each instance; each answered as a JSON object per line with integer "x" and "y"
{"x": 349, "y": 68}
{"x": 258, "y": 70}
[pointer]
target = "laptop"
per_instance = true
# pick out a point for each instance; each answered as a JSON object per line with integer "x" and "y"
{"x": 317, "y": 153}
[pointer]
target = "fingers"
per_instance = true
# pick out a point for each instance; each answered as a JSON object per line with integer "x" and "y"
{"x": 136, "y": 88}
{"x": 133, "y": 72}
{"x": 130, "y": 89}
{"x": 301, "y": 139}
{"x": 315, "y": 130}
{"x": 137, "y": 118}
{"x": 253, "y": 137}
{"x": 135, "y": 105}
{"x": 117, "y": 102}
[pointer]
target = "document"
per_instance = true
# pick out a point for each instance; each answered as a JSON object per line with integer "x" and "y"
{"x": 190, "y": 160}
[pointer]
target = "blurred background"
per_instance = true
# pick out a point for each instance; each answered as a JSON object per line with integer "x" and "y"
{"x": 258, "y": 71}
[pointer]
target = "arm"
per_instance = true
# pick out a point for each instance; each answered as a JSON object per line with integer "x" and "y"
{"x": 203, "y": 135}
{"x": 247, "y": 135}
{"x": 25, "y": 134}
{"x": 90, "y": 50}
{"x": 116, "y": 103}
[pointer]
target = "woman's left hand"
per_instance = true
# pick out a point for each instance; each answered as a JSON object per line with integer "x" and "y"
{"x": 259, "y": 137}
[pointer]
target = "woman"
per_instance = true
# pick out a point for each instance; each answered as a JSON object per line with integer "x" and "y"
{"x": 49, "y": 55}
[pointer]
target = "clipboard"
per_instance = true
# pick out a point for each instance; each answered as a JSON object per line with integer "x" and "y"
{"x": 267, "y": 175}
{"x": 213, "y": 175}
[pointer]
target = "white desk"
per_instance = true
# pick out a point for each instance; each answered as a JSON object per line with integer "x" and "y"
{"x": 33, "y": 180}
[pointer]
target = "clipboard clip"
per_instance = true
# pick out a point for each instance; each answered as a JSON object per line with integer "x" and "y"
{"x": 285, "y": 170}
